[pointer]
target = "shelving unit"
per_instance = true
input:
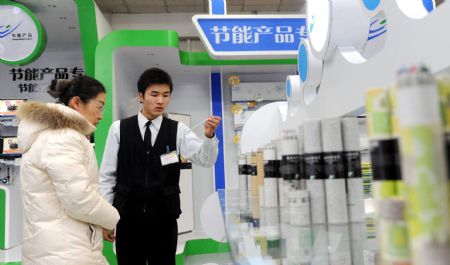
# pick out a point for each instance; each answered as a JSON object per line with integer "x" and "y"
{"x": 10, "y": 196}
{"x": 259, "y": 235}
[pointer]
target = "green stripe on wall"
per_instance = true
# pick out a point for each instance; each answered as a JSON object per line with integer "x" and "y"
{"x": 88, "y": 31}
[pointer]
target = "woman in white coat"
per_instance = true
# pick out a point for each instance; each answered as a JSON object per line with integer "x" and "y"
{"x": 64, "y": 212}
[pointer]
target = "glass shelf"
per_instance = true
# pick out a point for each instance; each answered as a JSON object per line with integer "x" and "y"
{"x": 262, "y": 235}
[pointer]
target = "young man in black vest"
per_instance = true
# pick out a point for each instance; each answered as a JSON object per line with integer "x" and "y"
{"x": 140, "y": 173}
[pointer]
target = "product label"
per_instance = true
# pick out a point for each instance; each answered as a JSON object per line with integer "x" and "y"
{"x": 243, "y": 169}
{"x": 334, "y": 165}
{"x": 353, "y": 164}
{"x": 251, "y": 170}
{"x": 314, "y": 166}
{"x": 299, "y": 208}
{"x": 290, "y": 167}
{"x": 385, "y": 157}
{"x": 271, "y": 169}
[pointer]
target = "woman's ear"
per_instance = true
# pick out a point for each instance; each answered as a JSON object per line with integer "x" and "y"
{"x": 75, "y": 103}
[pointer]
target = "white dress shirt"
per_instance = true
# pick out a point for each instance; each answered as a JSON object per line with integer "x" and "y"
{"x": 189, "y": 145}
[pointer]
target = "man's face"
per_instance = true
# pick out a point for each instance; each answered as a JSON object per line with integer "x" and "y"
{"x": 155, "y": 100}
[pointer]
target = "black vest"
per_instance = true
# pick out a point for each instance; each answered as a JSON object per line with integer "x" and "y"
{"x": 143, "y": 184}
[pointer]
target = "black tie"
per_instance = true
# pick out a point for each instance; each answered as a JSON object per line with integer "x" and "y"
{"x": 148, "y": 136}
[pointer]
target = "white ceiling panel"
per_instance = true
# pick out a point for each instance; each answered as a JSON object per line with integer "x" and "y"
{"x": 235, "y": 2}
{"x": 185, "y": 2}
{"x": 147, "y": 9}
{"x": 144, "y": 2}
{"x": 116, "y": 9}
{"x": 265, "y": 2}
{"x": 260, "y": 8}
{"x": 290, "y": 8}
{"x": 293, "y": 2}
{"x": 187, "y": 9}
{"x": 234, "y": 9}
{"x": 59, "y": 18}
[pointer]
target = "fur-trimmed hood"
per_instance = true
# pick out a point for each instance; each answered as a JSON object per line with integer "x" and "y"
{"x": 36, "y": 117}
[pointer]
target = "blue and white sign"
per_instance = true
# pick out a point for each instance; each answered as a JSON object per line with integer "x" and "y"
{"x": 251, "y": 36}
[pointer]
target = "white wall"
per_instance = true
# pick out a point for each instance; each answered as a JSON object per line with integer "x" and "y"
{"x": 103, "y": 25}
{"x": 126, "y": 74}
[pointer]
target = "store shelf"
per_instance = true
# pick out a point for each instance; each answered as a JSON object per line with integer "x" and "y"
{"x": 261, "y": 235}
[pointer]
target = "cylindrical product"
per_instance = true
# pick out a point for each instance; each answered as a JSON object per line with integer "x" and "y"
{"x": 385, "y": 158}
{"x": 271, "y": 173}
{"x": 339, "y": 244}
{"x": 261, "y": 196}
{"x": 335, "y": 185}
{"x": 358, "y": 241}
{"x": 249, "y": 171}
{"x": 372, "y": 257}
{"x": 313, "y": 170}
{"x": 255, "y": 210}
{"x": 301, "y": 151}
{"x": 281, "y": 196}
{"x": 300, "y": 245}
{"x": 352, "y": 157}
{"x": 444, "y": 95}
{"x": 290, "y": 159}
{"x": 243, "y": 200}
{"x": 262, "y": 220}
{"x": 272, "y": 223}
{"x": 320, "y": 254}
{"x": 254, "y": 174}
{"x": 393, "y": 103}
{"x": 242, "y": 167}
{"x": 316, "y": 189}
{"x": 336, "y": 199}
{"x": 395, "y": 242}
{"x": 261, "y": 241}
{"x": 424, "y": 164}
{"x": 384, "y": 148}
{"x": 260, "y": 176}
{"x": 283, "y": 241}
{"x": 289, "y": 165}
{"x": 299, "y": 209}
{"x": 384, "y": 151}
{"x": 277, "y": 143}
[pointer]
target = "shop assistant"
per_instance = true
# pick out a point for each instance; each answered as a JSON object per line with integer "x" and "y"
{"x": 140, "y": 173}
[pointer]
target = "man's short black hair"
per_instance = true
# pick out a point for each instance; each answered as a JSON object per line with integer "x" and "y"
{"x": 153, "y": 76}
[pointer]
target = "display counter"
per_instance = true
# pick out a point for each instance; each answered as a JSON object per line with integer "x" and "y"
{"x": 263, "y": 235}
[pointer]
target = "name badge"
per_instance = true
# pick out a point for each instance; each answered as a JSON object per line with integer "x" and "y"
{"x": 169, "y": 158}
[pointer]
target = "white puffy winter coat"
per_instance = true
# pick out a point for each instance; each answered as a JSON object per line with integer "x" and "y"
{"x": 63, "y": 210}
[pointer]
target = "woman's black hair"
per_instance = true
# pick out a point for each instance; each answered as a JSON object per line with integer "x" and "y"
{"x": 153, "y": 76}
{"x": 84, "y": 87}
